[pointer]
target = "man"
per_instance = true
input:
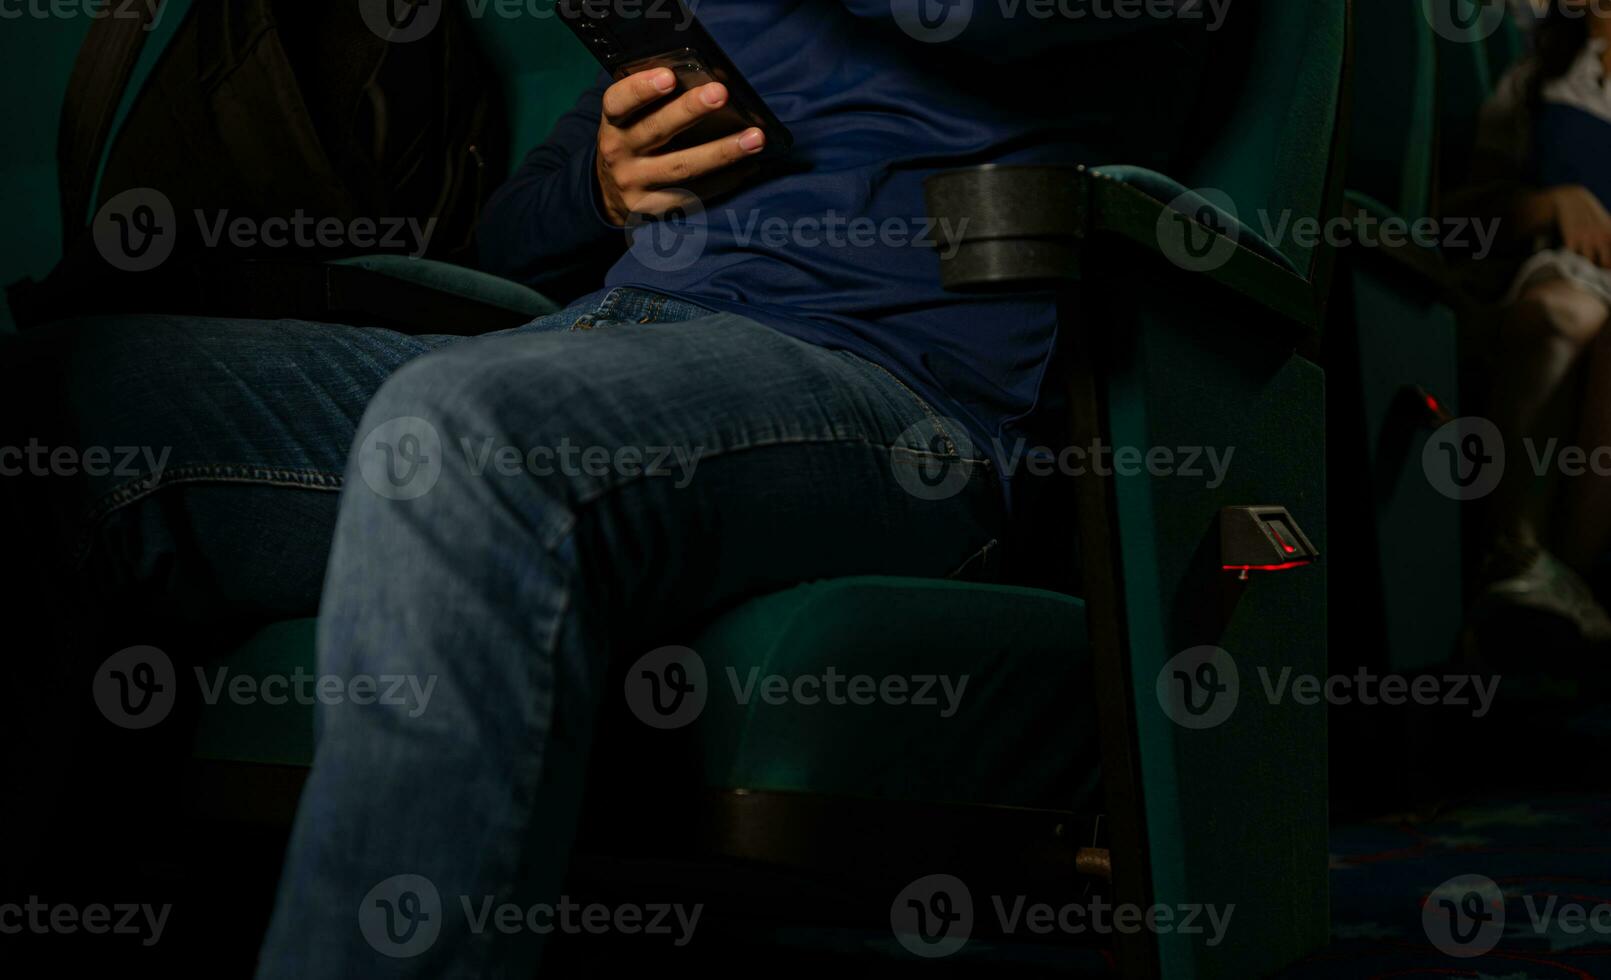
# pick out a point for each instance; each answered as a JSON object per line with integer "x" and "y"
{"x": 788, "y": 364}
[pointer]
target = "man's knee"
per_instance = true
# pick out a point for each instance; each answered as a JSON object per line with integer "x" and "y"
{"x": 488, "y": 425}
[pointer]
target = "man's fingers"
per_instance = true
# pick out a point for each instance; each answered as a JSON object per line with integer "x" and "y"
{"x": 632, "y": 94}
{"x": 673, "y": 169}
{"x": 655, "y": 129}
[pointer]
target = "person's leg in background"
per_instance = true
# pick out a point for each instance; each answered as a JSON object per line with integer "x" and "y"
{"x": 171, "y": 482}
{"x": 503, "y": 579}
{"x": 1586, "y": 514}
{"x": 1537, "y": 395}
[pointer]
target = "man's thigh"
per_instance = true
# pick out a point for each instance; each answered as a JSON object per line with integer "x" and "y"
{"x": 684, "y": 465}
{"x": 192, "y": 462}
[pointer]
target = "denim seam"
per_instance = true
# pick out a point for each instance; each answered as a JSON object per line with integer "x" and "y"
{"x": 593, "y": 497}
{"x": 516, "y": 841}
{"x": 934, "y": 417}
{"x": 607, "y": 305}
{"x": 656, "y": 307}
{"x": 981, "y": 553}
{"x": 136, "y": 490}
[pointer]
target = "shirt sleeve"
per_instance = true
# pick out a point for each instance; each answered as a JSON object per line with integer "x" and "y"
{"x": 545, "y": 222}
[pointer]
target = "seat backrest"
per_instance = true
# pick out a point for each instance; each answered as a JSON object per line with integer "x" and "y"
{"x": 1275, "y": 150}
{"x": 37, "y": 57}
{"x": 1465, "y": 80}
{"x": 1394, "y": 128}
{"x": 543, "y": 67}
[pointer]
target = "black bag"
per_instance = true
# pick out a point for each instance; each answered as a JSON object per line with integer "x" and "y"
{"x": 271, "y": 136}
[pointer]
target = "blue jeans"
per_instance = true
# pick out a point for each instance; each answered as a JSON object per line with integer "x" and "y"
{"x": 517, "y": 509}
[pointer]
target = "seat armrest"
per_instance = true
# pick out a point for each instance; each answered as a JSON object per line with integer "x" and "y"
{"x": 1014, "y": 228}
{"x": 1426, "y": 266}
{"x": 430, "y": 295}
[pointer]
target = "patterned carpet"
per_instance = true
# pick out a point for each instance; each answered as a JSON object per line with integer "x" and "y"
{"x": 1546, "y": 913}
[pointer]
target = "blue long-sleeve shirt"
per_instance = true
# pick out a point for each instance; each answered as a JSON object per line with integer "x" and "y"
{"x": 832, "y": 243}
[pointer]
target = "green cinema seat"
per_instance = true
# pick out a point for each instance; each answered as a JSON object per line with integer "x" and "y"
{"x": 1164, "y": 349}
{"x": 1465, "y": 77}
{"x": 1067, "y": 725}
{"x": 1395, "y": 356}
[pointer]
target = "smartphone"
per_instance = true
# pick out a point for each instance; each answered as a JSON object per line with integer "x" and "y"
{"x": 666, "y": 35}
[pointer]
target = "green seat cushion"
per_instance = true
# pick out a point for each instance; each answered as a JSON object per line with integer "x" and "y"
{"x": 253, "y": 729}
{"x": 1016, "y": 726}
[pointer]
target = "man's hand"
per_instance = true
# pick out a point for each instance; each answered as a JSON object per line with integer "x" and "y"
{"x": 636, "y": 179}
{"x": 1585, "y": 225}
